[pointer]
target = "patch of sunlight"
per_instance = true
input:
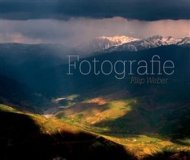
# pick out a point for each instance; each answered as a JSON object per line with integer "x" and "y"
{"x": 7, "y": 108}
{"x": 99, "y": 101}
{"x": 115, "y": 110}
{"x": 185, "y": 141}
{"x": 93, "y": 114}
{"x": 52, "y": 125}
{"x": 143, "y": 145}
{"x": 72, "y": 97}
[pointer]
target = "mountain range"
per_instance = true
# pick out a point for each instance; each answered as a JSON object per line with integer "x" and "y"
{"x": 125, "y": 43}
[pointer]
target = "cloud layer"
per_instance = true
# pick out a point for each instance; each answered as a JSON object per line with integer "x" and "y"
{"x": 62, "y": 9}
{"x": 82, "y": 30}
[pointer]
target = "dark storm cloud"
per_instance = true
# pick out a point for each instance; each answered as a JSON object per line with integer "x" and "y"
{"x": 63, "y": 9}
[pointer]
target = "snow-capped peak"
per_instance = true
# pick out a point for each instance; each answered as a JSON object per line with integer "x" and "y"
{"x": 117, "y": 40}
{"x": 151, "y": 42}
{"x": 159, "y": 40}
{"x": 184, "y": 41}
{"x": 105, "y": 42}
{"x": 125, "y": 43}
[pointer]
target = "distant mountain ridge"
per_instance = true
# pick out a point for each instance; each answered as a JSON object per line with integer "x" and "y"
{"x": 107, "y": 42}
{"x": 128, "y": 43}
{"x": 103, "y": 44}
{"x": 148, "y": 43}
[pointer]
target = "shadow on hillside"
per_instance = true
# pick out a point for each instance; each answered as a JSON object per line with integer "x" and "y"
{"x": 182, "y": 132}
{"x": 16, "y": 93}
{"x": 20, "y": 138}
{"x": 156, "y": 112}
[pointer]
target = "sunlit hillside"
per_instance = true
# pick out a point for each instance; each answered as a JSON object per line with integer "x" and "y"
{"x": 32, "y": 136}
{"x": 141, "y": 124}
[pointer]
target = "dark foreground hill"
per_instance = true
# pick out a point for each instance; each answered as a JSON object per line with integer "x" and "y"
{"x": 30, "y": 136}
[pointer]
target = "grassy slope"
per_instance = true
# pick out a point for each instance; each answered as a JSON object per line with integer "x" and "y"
{"x": 140, "y": 125}
{"x": 32, "y": 136}
{"x": 26, "y": 134}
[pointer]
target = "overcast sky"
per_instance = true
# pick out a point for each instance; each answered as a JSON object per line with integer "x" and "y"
{"x": 130, "y": 9}
{"x": 78, "y": 21}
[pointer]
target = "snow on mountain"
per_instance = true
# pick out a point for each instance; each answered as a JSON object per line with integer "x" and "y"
{"x": 185, "y": 42}
{"x": 125, "y": 43}
{"x": 103, "y": 43}
{"x": 151, "y": 42}
{"x": 107, "y": 42}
